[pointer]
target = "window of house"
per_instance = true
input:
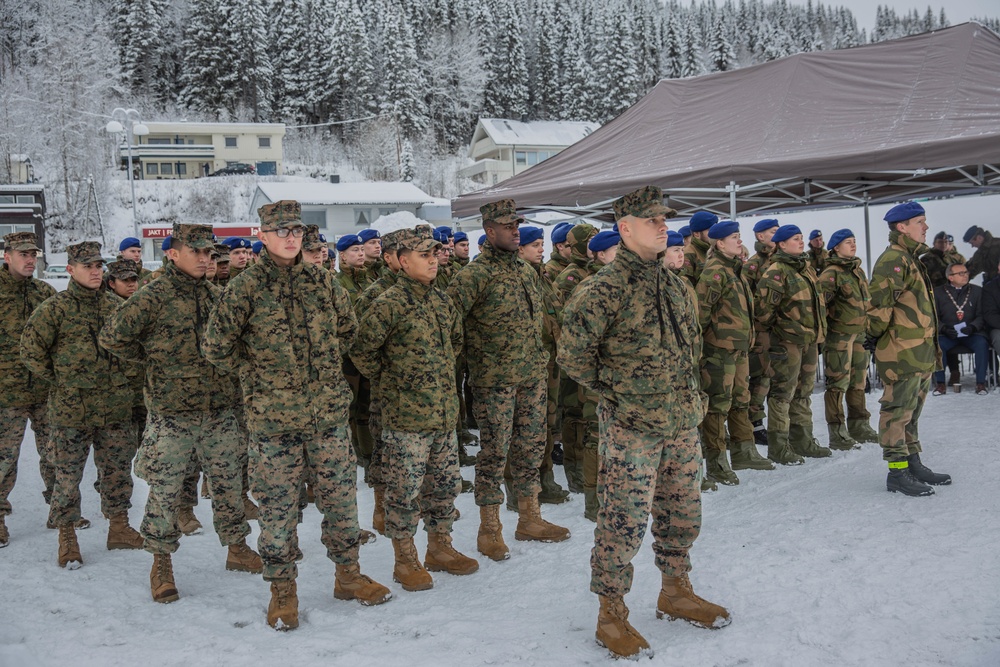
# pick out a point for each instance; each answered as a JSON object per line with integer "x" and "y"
{"x": 230, "y": 142}
{"x": 158, "y": 141}
{"x": 386, "y": 211}
{"x": 26, "y": 199}
{"x": 263, "y": 142}
{"x": 6, "y": 199}
{"x": 317, "y": 218}
{"x": 532, "y": 158}
{"x": 182, "y": 169}
{"x": 361, "y": 217}
{"x": 520, "y": 158}
{"x": 152, "y": 169}
{"x": 166, "y": 169}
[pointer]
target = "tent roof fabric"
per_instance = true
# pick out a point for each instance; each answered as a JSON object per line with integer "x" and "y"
{"x": 792, "y": 131}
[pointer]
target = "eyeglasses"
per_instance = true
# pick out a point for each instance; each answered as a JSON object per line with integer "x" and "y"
{"x": 283, "y": 233}
{"x": 959, "y": 273}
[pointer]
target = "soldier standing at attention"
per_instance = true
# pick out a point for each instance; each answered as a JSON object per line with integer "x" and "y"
{"x": 561, "y": 252}
{"x": 817, "y": 253}
{"x": 192, "y": 407}
{"x": 760, "y": 362}
{"x": 221, "y": 265}
{"x": 90, "y": 402}
{"x": 283, "y": 324}
{"x": 845, "y": 359}
{"x": 500, "y": 302}
{"x": 239, "y": 255}
{"x": 697, "y": 249}
{"x": 461, "y": 250}
{"x": 631, "y": 335}
{"x": 466, "y": 438}
{"x": 789, "y": 305}
{"x": 131, "y": 248}
{"x": 407, "y": 342}
{"x": 371, "y": 243}
{"x": 903, "y": 322}
{"x": 314, "y": 247}
{"x": 153, "y": 275}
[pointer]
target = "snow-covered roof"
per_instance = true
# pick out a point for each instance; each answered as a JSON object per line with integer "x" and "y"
{"x": 326, "y": 194}
{"x": 22, "y": 188}
{"x": 536, "y": 133}
{"x": 156, "y": 126}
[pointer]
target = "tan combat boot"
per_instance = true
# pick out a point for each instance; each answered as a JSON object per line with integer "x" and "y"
{"x": 408, "y": 571}
{"x": 350, "y": 584}
{"x": 615, "y": 633}
{"x": 443, "y": 557}
{"x": 532, "y": 527}
{"x": 161, "y": 579}
{"x": 121, "y": 535}
{"x": 82, "y": 523}
{"x": 378, "y": 514}
{"x": 187, "y": 522}
{"x": 283, "y": 609}
{"x": 251, "y": 511}
{"x": 490, "y": 540}
{"x": 677, "y": 600}
{"x": 242, "y": 558}
{"x": 69, "y": 549}
{"x": 4, "y": 535}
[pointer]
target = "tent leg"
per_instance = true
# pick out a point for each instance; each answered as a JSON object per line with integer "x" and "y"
{"x": 732, "y": 199}
{"x": 868, "y": 236}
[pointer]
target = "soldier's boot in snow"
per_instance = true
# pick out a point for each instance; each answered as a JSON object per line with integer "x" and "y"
{"x": 760, "y": 432}
{"x": 467, "y": 486}
{"x": 408, "y": 571}
{"x": 901, "y": 480}
{"x": 283, "y": 609}
{"x": 717, "y": 464}
{"x": 551, "y": 492}
{"x": 378, "y": 513}
{"x": 678, "y": 601}
{"x": 187, "y": 522}
{"x": 205, "y": 493}
{"x": 861, "y": 430}
{"x": 251, "y": 510}
{"x": 82, "y": 524}
{"x": 350, "y": 584}
{"x": 121, "y": 535}
{"x": 840, "y": 439}
{"x": 746, "y": 457}
{"x": 366, "y": 537}
{"x": 508, "y": 486}
{"x": 574, "y": 474}
{"x": 161, "y": 579}
{"x": 4, "y": 535}
{"x": 241, "y": 558}
{"x": 800, "y": 437}
{"x": 490, "y": 542}
{"x": 708, "y": 485}
{"x": 443, "y": 557}
{"x": 590, "y": 503}
{"x": 925, "y": 474}
{"x": 465, "y": 459}
{"x": 532, "y": 527}
{"x": 779, "y": 451}
{"x": 615, "y": 633}
{"x": 557, "y": 454}
{"x": 69, "y": 548}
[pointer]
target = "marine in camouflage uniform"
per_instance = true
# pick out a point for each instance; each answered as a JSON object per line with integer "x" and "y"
{"x": 790, "y": 306}
{"x": 283, "y": 325}
{"x": 222, "y": 262}
{"x": 903, "y": 321}
{"x": 90, "y": 403}
{"x": 22, "y": 393}
{"x": 631, "y": 335}
{"x": 760, "y": 362}
{"x": 191, "y": 407}
{"x": 845, "y": 360}
{"x": 500, "y": 303}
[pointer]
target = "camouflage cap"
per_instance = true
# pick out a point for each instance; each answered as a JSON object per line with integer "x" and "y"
{"x": 21, "y": 241}
{"x": 123, "y": 269}
{"x": 645, "y": 202}
{"x": 84, "y": 253}
{"x": 312, "y": 239}
{"x": 419, "y": 239}
{"x": 281, "y": 214}
{"x": 579, "y": 236}
{"x": 500, "y": 212}
{"x": 390, "y": 241}
{"x": 193, "y": 236}
{"x": 221, "y": 253}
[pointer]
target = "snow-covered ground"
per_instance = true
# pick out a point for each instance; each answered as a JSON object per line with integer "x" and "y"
{"x": 818, "y": 564}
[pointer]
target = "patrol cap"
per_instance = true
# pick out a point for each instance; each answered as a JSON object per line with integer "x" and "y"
{"x": 764, "y": 225}
{"x": 785, "y": 232}
{"x": 348, "y": 240}
{"x": 256, "y": 247}
{"x": 482, "y": 240}
{"x": 312, "y": 239}
{"x": 604, "y": 240}
{"x": 223, "y": 251}
{"x": 420, "y": 239}
{"x": 129, "y": 242}
{"x": 123, "y": 269}
{"x": 446, "y": 230}
{"x": 22, "y": 241}
{"x": 839, "y": 237}
{"x": 235, "y": 242}
{"x": 684, "y": 231}
{"x": 282, "y": 214}
{"x": 367, "y": 235}
{"x": 646, "y": 202}
{"x": 971, "y": 233}
{"x": 560, "y": 230}
{"x": 461, "y": 236}
{"x": 167, "y": 242}
{"x": 195, "y": 236}
{"x": 500, "y": 212}
{"x": 674, "y": 238}
{"x": 84, "y": 253}
{"x": 815, "y": 234}
{"x": 702, "y": 220}
{"x": 530, "y": 234}
{"x": 390, "y": 242}
{"x": 903, "y": 212}
{"x": 721, "y": 230}
{"x": 579, "y": 237}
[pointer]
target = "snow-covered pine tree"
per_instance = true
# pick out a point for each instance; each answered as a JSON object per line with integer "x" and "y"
{"x": 617, "y": 78}
{"x": 575, "y": 74}
{"x": 673, "y": 47}
{"x": 247, "y": 80}
{"x": 138, "y": 28}
{"x": 205, "y": 59}
{"x": 403, "y": 84}
{"x": 721, "y": 52}
{"x": 292, "y": 60}
{"x": 407, "y": 164}
{"x": 506, "y": 94}
{"x": 548, "y": 41}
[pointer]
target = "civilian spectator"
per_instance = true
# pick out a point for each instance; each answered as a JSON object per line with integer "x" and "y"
{"x": 960, "y": 322}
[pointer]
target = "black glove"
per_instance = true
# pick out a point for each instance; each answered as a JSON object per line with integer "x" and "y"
{"x": 870, "y": 343}
{"x": 971, "y": 329}
{"x": 949, "y": 331}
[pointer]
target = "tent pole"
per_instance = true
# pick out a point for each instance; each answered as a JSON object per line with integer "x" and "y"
{"x": 868, "y": 235}
{"x": 732, "y": 200}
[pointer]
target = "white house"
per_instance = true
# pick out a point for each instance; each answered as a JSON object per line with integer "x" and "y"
{"x": 504, "y": 148}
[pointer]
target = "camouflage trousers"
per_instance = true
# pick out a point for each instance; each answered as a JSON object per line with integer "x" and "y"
{"x": 643, "y": 474}
{"x": 571, "y": 423}
{"x": 189, "y": 492}
{"x": 377, "y": 473}
{"x": 168, "y": 445}
{"x": 845, "y": 365}
{"x": 114, "y": 449}
{"x": 789, "y": 409}
{"x": 901, "y": 404}
{"x": 13, "y": 422}
{"x": 277, "y": 465}
{"x": 553, "y": 432}
{"x": 360, "y": 415}
{"x": 725, "y": 376}
{"x": 760, "y": 375}
{"x": 424, "y": 480}
{"x": 511, "y": 419}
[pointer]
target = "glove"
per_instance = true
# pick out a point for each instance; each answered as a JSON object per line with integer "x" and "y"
{"x": 870, "y": 343}
{"x": 949, "y": 331}
{"x": 971, "y": 329}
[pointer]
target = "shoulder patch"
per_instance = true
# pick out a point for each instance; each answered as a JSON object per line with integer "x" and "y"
{"x": 777, "y": 276}
{"x": 831, "y": 279}
{"x": 896, "y": 269}
{"x": 717, "y": 276}
{"x": 753, "y": 267}
{"x": 571, "y": 278}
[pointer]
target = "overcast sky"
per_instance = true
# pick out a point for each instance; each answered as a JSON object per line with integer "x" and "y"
{"x": 957, "y": 11}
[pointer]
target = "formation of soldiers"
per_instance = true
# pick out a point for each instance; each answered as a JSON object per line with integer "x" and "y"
{"x": 641, "y": 357}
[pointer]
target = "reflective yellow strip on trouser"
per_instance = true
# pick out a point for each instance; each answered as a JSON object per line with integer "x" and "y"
{"x": 899, "y": 464}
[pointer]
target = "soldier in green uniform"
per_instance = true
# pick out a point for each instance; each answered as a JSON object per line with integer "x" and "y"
{"x": 123, "y": 280}
{"x": 789, "y": 305}
{"x": 407, "y": 342}
{"x": 817, "y": 253}
{"x": 500, "y": 302}
{"x": 445, "y": 270}
{"x": 466, "y": 438}
{"x": 987, "y": 256}
{"x": 937, "y": 260}
{"x": 845, "y": 359}
{"x": 239, "y": 255}
{"x": 760, "y": 362}
{"x": 460, "y": 256}
{"x": 631, "y": 335}
{"x": 221, "y": 265}
{"x": 165, "y": 246}
{"x": 902, "y": 321}
{"x": 90, "y": 402}
{"x": 131, "y": 248}
{"x": 697, "y": 249}
{"x": 371, "y": 243}
{"x": 561, "y": 253}
{"x": 283, "y": 325}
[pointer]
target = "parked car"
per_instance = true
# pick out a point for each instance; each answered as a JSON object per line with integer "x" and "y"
{"x": 55, "y": 271}
{"x": 234, "y": 169}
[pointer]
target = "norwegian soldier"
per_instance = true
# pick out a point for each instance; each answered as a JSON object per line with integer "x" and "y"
{"x": 460, "y": 250}
{"x": 559, "y": 258}
{"x": 760, "y": 362}
{"x": 371, "y": 244}
{"x": 697, "y": 249}
{"x": 131, "y": 248}
{"x": 239, "y": 254}
{"x": 817, "y": 253}
{"x": 987, "y": 256}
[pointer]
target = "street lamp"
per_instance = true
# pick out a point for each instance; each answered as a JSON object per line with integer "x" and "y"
{"x": 133, "y": 127}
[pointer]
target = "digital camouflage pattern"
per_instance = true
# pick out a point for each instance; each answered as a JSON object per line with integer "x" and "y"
{"x": 114, "y": 448}
{"x": 985, "y": 259}
{"x": 788, "y": 303}
{"x": 845, "y": 291}
{"x": 725, "y": 304}
{"x": 694, "y": 259}
{"x": 646, "y": 202}
{"x": 937, "y": 262}
{"x": 13, "y": 422}
{"x": 500, "y": 212}
{"x": 19, "y": 387}
{"x": 282, "y": 214}
{"x": 21, "y": 242}
{"x": 423, "y": 481}
{"x": 84, "y": 253}
{"x": 123, "y": 269}
{"x": 311, "y": 239}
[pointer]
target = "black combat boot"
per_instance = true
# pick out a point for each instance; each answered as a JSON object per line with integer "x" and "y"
{"x": 760, "y": 432}
{"x": 900, "y": 479}
{"x": 925, "y": 474}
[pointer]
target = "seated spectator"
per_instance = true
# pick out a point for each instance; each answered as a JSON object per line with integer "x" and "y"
{"x": 960, "y": 322}
{"x": 991, "y": 310}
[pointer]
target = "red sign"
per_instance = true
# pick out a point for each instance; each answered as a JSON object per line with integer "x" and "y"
{"x": 221, "y": 232}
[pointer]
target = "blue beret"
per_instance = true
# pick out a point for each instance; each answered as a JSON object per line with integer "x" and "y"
{"x": 970, "y": 233}
{"x": 530, "y": 234}
{"x": 348, "y": 240}
{"x": 165, "y": 246}
{"x": 461, "y": 236}
{"x": 684, "y": 231}
{"x": 815, "y": 234}
{"x": 702, "y": 220}
{"x": 257, "y": 246}
{"x": 482, "y": 239}
{"x": 129, "y": 242}
{"x": 784, "y": 233}
{"x": 721, "y": 230}
{"x": 903, "y": 212}
{"x": 322, "y": 238}
{"x": 764, "y": 225}
{"x": 614, "y": 228}
{"x": 674, "y": 239}
{"x": 235, "y": 242}
{"x": 560, "y": 231}
{"x": 440, "y": 237}
{"x": 604, "y": 240}
{"x": 330, "y": 253}
{"x": 367, "y": 235}
{"x": 838, "y": 238}
{"x": 446, "y": 230}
